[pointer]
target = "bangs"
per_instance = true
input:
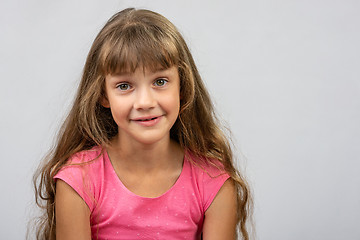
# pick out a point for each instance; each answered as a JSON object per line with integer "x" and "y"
{"x": 138, "y": 46}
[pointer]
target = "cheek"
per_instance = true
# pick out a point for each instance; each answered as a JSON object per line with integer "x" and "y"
{"x": 171, "y": 101}
{"x": 120, "y": 110}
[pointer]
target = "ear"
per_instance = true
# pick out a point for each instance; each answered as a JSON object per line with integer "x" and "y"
{"x": 105, "y": 102}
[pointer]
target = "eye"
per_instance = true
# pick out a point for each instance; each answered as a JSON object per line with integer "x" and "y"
{"x": 123, "y": 86}
{"x": 160, "y": 82}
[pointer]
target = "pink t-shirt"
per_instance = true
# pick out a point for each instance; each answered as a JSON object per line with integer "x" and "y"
{"x": 117, "y": 213}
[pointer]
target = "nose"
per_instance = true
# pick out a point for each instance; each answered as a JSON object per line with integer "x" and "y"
{"x": 145, "y": 99}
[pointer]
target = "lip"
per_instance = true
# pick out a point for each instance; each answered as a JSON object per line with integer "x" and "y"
{"x": 145, "y": 118}
{"x": 147, "y": 121}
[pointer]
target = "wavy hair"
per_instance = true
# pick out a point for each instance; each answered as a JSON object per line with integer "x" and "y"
{"x": 129, "y": 40}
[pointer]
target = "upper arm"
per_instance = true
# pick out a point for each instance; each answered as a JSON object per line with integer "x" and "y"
{"x": 221, "y": 217}
{"x": 72, "y": 214}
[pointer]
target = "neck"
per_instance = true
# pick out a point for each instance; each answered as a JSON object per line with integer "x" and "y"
{"x": 139, "y": 157}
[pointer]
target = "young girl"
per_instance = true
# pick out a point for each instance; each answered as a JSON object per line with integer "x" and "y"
{"x": 140, "y": 155}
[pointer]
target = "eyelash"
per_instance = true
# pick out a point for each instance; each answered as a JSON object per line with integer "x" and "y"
{"x": 123, "y": 84}
{"x": 160, "y": 79}
{"x": 156, "y": 83}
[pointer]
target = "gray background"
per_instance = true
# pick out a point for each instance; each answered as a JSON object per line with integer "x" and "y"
{"x": 284, "y": 75}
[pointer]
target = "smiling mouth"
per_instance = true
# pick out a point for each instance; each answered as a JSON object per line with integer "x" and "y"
{"x": 148, "y": 119}
{"x": 145, "y": 119}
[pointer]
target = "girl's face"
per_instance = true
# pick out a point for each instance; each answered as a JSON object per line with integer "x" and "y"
{"x": 144, "y": 104}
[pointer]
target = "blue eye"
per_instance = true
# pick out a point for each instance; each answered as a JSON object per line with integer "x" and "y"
{"x": 160, "y": 82}
{"x": 123, "y": 86}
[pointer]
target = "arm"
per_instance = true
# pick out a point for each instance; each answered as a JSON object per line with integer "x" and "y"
{"x": 72, "y": 214}
{"x": 220, "y": 218}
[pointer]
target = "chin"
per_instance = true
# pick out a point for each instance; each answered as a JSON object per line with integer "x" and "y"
{"x": 152, "y": 140}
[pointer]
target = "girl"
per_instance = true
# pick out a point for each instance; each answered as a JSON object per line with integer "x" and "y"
{"x": 140, "y": 155}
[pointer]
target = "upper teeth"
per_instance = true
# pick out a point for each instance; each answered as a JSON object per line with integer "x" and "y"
{"x": 147, "y": 119}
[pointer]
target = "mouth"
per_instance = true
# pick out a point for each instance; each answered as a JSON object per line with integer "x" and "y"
{"x": 148, "y": 121}
{"x": 145, "y": 119}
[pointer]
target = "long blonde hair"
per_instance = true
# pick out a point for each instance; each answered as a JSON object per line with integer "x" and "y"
{"x": 131, "y": 39}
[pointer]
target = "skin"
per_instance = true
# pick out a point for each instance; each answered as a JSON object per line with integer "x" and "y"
{"x": 146, "y": 154}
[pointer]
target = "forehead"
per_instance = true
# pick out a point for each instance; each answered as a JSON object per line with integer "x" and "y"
{"x": 130, "y": 52}
{"x": 129, "y": 69}
{"x": 171, "y": 72}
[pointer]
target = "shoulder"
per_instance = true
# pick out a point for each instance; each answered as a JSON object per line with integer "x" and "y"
{"x": 86, "y": 162}
{"x": 86, "y": 156}
{"x": 209, "y": 176}
{"x": 84, "y": 173}
{"x": 207, "y": 167}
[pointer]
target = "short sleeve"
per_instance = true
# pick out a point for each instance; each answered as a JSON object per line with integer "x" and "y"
{"x": 212, "y": 180}
{"x": 78, "y": 175}
{"x": 212, "y": 186}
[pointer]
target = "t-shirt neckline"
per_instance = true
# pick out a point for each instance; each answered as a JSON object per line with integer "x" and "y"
{"x": 118, "y": 180}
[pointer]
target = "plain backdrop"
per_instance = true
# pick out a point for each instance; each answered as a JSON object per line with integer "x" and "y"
{"x": 284, "y": 76}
